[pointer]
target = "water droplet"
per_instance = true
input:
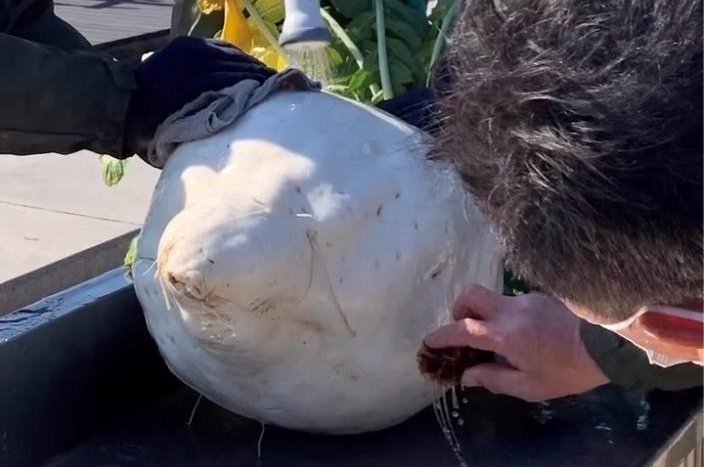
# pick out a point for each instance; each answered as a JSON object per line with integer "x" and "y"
{"x": 313, "y": 62}
{"x": 603, "y": 427}
{"x": 460, "y": 421}
{"x": 445, "y": 420}
{"x": 455, "y": 414}
{"x": 292, "y": 107}
{"x": 643, "y": 419}
{"x": 455, "y": 402}
{"x": 464, "y": 400}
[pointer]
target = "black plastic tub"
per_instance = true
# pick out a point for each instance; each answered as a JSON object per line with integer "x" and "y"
{"x": 82, "y": 385}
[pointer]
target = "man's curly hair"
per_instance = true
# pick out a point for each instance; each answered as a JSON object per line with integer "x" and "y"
{"x": 577, "y": 125}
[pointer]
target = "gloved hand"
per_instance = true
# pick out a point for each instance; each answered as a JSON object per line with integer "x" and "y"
{"x": 415, "y": 107}
{"x": 175, "y": 76}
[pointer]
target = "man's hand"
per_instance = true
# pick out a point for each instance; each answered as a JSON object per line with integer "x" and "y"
{"x": 536, "y": 335}
{"x": 175, "y": 76}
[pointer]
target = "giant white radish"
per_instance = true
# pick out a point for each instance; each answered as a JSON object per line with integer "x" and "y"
{"x": 290, "y": 265}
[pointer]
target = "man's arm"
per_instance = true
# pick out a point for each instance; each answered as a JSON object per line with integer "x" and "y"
{"x": 627, "y": 366}
{"x": 35, "y": 21}
{"x": 57, "y": 94}
{"x": 56, "y": 100}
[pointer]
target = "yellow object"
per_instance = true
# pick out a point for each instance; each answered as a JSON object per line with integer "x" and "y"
{"x": 209, "y": 6}
{"x": 244, "y": 33}
{"x": 262, "y": 50}
{"x": 271, "y": 10}
{"x": 235, "y": 29}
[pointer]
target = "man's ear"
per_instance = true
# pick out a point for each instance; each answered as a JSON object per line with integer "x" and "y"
{"x": 675, "y": 325}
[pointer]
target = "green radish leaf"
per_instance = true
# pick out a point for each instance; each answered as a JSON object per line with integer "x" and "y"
{"x": 425, "y": 52}
{"x": 404, "y": 32}
{"x": 377, "y": 97}
{"x": 112, "y": 170}
{"x": 131, "y": 255}
{"x": 371, "y": 61}
{"x": 334, "y": 57}
{"x": 361, "y": 80}
{"x": 418, "y": 5}
{"x": 400, "y": 74}
{"x": 347, "y": 64}
{"x": 441, "y": 38}
{"x": 396, "y": 10}
{"x": 368, "y": 47}
{"x": 398, "y": 50}
{"x": 339, "y": 83}
{"x": 357, "y": 79}
{"x": 409, "y": 36}
{"x": 351, "y": 8}
{"x": 337, "y": 88}
{"x": 362, "y": 27}
{"x": 271, "y": 10}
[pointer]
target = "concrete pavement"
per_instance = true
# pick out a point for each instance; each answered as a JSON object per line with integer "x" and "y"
{"x": 108, "y": 20}
{"x": 53, "y": 206}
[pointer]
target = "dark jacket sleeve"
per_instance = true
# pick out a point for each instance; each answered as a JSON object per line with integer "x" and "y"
{"x": 627, "y": 366}
{"x": 57, "y": 93}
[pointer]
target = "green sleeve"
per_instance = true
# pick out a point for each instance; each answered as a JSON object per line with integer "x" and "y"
{"x": 57, "y": 93}
{"x": 54, "y": 100}
{"x": 627, "y": 366}
{"x": 40, "y": 24}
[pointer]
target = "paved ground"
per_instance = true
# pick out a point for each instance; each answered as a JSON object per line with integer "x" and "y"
{"x": 53, "y": 206}
{"x": 109, "y": 20}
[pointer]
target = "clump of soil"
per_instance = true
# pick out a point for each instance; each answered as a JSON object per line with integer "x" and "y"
{"x": 445, "y": 366}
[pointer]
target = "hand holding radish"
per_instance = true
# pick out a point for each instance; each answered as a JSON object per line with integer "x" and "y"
{"x": 537, "y": 336}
